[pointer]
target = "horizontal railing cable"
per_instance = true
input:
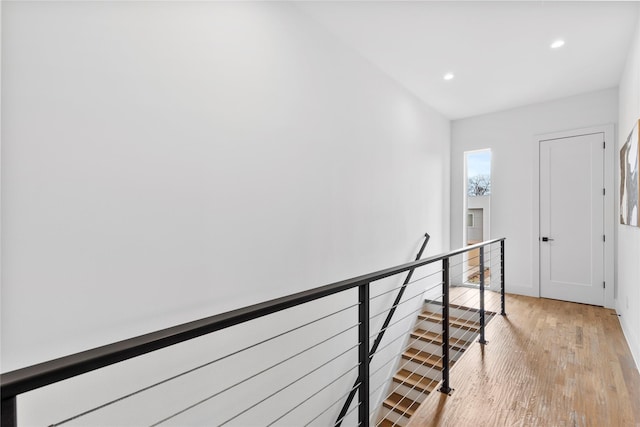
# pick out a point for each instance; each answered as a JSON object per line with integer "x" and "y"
{"x": 408, "y": 361}
{"x": 341, "y": 376}
{"x": 259, "y": 373}
{"x": 463, "y": 261}
{"x": 419, "y": 295}
{"x": 437, "y": 285}
{"x": 400, "y": 320}
{"x": 453, "y": 266}
{"x": 465, "y": 272}
{"x": 204, "y": 365}
{"x": 335, "y": 402}
{"x": 375, "y": 390}
{"x": 393, "y": 357}
{"x": 401, "y": 366}
{"x": 317, "y": 368}
{"x": 425, "y": 277}
{"x": 375, "y": 297}
{"x": 400, "y": 335}
{"x": 468, "y": 302}
{"x": 409, "y": 283}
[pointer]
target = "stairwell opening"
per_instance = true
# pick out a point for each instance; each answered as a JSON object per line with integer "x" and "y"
{"x": 419, "y": 369}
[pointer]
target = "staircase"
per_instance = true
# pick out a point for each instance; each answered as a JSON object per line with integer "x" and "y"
{"x": 420, "y": 367}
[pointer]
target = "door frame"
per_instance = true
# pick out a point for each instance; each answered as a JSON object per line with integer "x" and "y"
{"x": 609, "y": 205}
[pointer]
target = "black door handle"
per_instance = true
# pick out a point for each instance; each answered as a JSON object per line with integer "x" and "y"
{"x": 546, "y": 239}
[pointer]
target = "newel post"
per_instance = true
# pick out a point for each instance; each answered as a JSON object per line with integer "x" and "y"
{"x": 445, "y": 327}
{"x": 363, "y": 355}
{"x": 482, "y": 317}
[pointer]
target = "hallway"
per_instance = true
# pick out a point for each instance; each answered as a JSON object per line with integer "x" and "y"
{"x": 548, "y": 363}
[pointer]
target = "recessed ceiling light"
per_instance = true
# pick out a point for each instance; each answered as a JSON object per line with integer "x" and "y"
{"x": 557, "y": 44}
{"x": 448, "y": 76}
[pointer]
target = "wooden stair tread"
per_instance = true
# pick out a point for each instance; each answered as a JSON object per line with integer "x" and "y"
{"x": 400, "y": 404}
{"x": 469, "y": 325}
{"x": 415, "y": 381}
{"x": 406, "y": 406}
{"x": 462, "y": 307}
{"x": 423, "y": 358}
{"x": 436, "y": 338}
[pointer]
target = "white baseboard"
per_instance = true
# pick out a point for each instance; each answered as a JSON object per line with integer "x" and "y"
{"x": 527, "y": 291}
{"x": 632, "y": 342}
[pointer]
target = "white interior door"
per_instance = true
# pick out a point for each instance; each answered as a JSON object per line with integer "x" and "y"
{"x": 572, "y": 219}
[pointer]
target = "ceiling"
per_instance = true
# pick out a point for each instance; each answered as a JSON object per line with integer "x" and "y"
{"x": 499, "y": 51}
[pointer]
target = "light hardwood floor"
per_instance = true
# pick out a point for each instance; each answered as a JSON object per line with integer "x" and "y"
{"x": 470, "y": 297}
{"x": 548, "y": 363}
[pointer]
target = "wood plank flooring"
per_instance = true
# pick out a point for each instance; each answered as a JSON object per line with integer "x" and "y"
{"x": 469, "y": 297}
{"x": 548, "y": 363}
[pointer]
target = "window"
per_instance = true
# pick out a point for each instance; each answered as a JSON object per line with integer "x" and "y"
{"x": 476, "y": 210}
{"x": 479, "y": 173}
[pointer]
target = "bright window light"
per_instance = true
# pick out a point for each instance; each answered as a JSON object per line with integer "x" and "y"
{"x": 448, "y": 76}
{"x": 556, "y": 44}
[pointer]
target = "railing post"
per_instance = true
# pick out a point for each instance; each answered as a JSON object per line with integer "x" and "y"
{"x": 502, "y": 312}
{"x": 396, "y": 302}
{"x": 383, "y": 329}
{"x": 9, "y": 413}
{"x": 482, "y": 319}
{"x": 445, "y": 327}
{"x": 363, "y": 355}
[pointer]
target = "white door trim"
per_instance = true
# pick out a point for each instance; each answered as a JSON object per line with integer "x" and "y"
{"x": 609, "y": 206}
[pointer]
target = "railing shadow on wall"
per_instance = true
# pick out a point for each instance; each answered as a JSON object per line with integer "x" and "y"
{"x": 291, "y": 360}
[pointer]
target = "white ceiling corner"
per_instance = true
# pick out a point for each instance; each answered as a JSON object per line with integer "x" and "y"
{"x": 499, "y": 51}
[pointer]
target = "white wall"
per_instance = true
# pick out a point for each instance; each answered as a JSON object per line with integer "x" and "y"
{"x": 628, "y": 243}
{"x": 509, "y": 134}
{"x": 484, "y": 203}
{"x": 166, "y": 161}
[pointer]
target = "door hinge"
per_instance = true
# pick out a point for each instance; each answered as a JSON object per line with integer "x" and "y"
{"x": 604, "y": 238}
{"x": 604, "y": 191}
{"x": 604, "y": 284}
{"x": 604, "y": 145}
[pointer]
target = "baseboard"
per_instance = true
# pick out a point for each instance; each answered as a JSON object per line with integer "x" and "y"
{"x": 632, "y": 342}
{"x": 527, "y": 291}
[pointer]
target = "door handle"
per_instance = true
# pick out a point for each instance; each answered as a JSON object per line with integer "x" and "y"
{"x": 546, "y": 239}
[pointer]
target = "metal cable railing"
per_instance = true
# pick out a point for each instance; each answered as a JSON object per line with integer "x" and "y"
{"x": 313, "y": 359}
{"x": 456, "y": 317}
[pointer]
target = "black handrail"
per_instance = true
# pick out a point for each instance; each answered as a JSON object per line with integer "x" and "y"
{"x": 383, "y": 329}
{"x": 32, "y": 377}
